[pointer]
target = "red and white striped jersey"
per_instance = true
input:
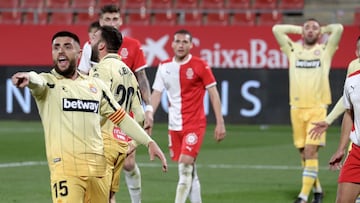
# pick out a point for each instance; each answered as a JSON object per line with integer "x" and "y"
{"x": 185, "y": 84}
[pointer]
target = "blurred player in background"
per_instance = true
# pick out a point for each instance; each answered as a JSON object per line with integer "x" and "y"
{"x": 70, "y": 106}
{"x": 132, "y": 55}
{"x": 93, "y": 27}
{"x": 309, "y": 67}
{"x": 185, "y": 79}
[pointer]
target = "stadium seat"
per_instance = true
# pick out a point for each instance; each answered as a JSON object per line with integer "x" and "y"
{"x": 238, "y": 4}
{"x": 32, "y": 4}
{"x": 85, "y": 18}
{"x": 60, "y": 18}
{"x": 356, "y": 17}
{"x": 191, "y": 18}
{"x": 138, "y": 18}
{"x": 160, "y": 4}
{"x": 291, "y": 4}
{"x": 83, "y": 5}
{"x": 57, "y": 4}
{"x": 135, "y": 4}
{"x": 220, "y": 18}
{"x": 264, "y": 4}
{"x": 211, "y": 4}
{"x": 270, "y": 18}
{"x": 246, "y": 18}
{"x": 11, "y": 17}
{"x": 35, "y": 18}
{"x": 167, "y": 18}
{"x": 9, "y": 4}
{"x": 186, "y": 4}
{"x": 102, "y": 3}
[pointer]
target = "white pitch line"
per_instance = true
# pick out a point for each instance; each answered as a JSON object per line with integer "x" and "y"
{"x": 154, "y": 165}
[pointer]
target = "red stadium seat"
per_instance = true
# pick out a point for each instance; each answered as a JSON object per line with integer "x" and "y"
{"x": 35, "y": 18}
{"x": 83, "y": 5}
{"x": 186, "y": 4}
{"x": 32, "y": 4}
{"x": 9, "y": 4}
{"x": 220, "y": 18}
{"x": 211, "y": 4}
{"x": 60, "y": 18}
{"x": 160, "y": 4}
{"x": 246, "y": 18}
{"x": 168, "y": 18}
{"x": 135, "y": 4}
{"x": 85, "y": 18}
{"x": 291, "y": 4}
{"x": 57, "y": 4}
{"x": 264, "y": 4}
{"x": 270, "y": 19}
{"x": 238, "y": 4}
{"x": 139, "y": 18}
{"x": 357, "y": 17}
{"x": 11, "y": 17}
{"x": 102, "y": 3}
{"x": 192, "y": 18}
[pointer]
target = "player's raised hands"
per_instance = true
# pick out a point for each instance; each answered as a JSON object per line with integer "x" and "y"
{"x": 20, "y": 79}
{"x": 155, "y": 151}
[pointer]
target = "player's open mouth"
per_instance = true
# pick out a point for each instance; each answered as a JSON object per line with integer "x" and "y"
{"x": 62, "y": 60}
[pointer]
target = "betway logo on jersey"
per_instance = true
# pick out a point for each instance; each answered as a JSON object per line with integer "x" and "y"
{"x": 80, "y": 105}
{"x": 308, "y": 64}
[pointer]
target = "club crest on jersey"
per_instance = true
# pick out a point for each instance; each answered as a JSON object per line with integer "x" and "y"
{"x": 124, "y": 53}
{"x": 191, "y": 139}
{"x": 189, "y": 73}
{"x": 93, "y": 89}
{"x": 317, "y": 52}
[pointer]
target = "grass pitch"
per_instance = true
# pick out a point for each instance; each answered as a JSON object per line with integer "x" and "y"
{"x": 254, "y": 164}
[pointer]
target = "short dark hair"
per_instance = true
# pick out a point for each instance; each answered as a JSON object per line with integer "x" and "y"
{"x": 112, "y": 38}
{"x": 184, "y": 32}
{"x": 66, "y": 34}
{"x": 110, "y": 8}
{"x": 312, "y": 19}
{"x": 94, "y": 24}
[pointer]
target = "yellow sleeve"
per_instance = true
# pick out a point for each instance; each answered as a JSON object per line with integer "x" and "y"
{"x": 281, "y": 34}
{"x": 37, "y": 84}
{"x": 134, "y": 130}
{"x": 335, "y": 31}
{"x": 335, "y": 112}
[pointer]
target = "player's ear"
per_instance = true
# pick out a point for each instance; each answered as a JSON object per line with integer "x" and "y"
{"x": 101, "y": 45}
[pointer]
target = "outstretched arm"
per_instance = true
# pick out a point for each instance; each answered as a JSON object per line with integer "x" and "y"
{"x": 321, "y": 126}
{"x": 134, "y": 130}
{"x": 30, "y": 79}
